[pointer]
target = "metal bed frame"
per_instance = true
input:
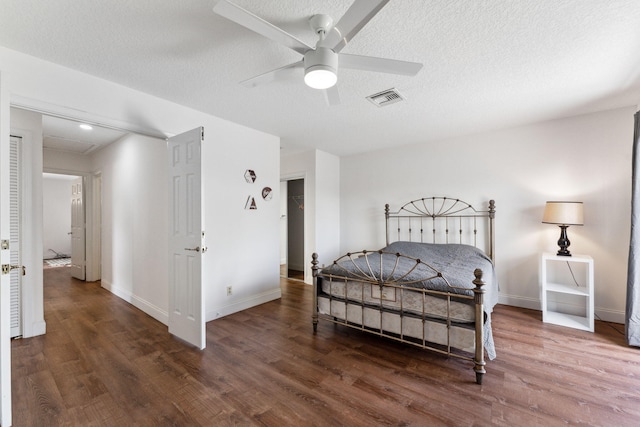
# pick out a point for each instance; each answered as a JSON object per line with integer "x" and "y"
{"x": 426, "y": 220}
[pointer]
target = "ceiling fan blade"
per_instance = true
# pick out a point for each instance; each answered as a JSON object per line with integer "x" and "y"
{"x": 332, "y": 96}
{"x": 380, "y": 65}
{"x": 254, "y": 23}
{"x": 270, "y": 76}
{"x": 354, "y": 19}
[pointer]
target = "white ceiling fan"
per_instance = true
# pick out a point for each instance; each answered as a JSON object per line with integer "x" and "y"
{"x": 320, "y": 63}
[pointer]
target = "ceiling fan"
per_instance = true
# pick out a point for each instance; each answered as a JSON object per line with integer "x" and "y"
{"x": 320, "y": 63}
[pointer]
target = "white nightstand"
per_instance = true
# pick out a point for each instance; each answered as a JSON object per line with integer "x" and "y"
{"x": 571, "y": 305}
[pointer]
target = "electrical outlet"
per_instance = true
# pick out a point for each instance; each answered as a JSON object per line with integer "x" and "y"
{"x": 229, "y": 291}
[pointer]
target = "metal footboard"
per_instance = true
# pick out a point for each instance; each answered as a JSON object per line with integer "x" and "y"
{"x": 383, "y": 294}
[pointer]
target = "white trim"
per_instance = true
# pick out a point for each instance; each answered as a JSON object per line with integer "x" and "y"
{"x": 152, "y": 310}
{"x": 94, "y": 230}
{"x": 5, "y": 317}
{"x": 33, "y": 323}
{"x": 225, "y": 310}
{"x": 92, "y": 224}
{"x": 607, "y": 315}
{"x": 518, "y": 301}
{"x": 93, "y": 119}
{"x": 38, "y": 328}
{"x": 306, "y": 267}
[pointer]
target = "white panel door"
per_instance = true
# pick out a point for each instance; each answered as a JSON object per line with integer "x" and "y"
{"x": 186, "y": 302}
{"x": 77, "y": 230}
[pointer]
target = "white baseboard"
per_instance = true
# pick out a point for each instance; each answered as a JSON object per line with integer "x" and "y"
{"x": 243, "y": 304}
{"x": 608, "y": 315}
{"x": 518, "y": 301}
{"x": 37, "y": 328}
{"x": 144, "y": 305}
{"x": 605, "y": 314}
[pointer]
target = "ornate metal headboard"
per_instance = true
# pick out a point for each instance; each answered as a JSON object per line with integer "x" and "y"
{"x": 443, "y": 220}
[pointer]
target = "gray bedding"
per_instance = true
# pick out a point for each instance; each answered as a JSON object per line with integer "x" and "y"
{"x": 456, "y": 263}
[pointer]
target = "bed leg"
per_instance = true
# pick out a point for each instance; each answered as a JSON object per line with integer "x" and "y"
{"x": 479, "y": 297}
{"x": 314, "y": 309}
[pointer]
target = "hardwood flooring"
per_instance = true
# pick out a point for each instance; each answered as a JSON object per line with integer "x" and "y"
{"x": 291, "y": 273}
{"x": 105, "y": 363}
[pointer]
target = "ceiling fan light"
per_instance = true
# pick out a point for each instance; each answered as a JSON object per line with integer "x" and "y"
{"x": 320, "y": 77}
{"x": 320, "y": 68}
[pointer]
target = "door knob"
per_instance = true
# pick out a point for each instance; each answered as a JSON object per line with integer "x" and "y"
{"x": 196, "y": 249}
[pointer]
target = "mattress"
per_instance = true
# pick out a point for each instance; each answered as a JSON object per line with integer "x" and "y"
{"x": 395, "y": 299}
{"x": 431, "y": 331}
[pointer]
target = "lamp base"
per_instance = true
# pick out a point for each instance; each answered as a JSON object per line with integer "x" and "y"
{"x": 563, "y": 241}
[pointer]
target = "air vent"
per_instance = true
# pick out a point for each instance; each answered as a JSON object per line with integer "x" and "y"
{"x": 386, "y": 97}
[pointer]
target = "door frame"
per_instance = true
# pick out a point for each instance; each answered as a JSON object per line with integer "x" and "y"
{"x": 7, "y": 101}
{"x": 93, "y": 220}
{"x": 306, "y": 252}
{"x": 33, "y": 323}
{"x": 5, "y": 311}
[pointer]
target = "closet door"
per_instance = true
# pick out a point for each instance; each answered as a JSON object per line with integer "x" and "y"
{"x": 15, "y": 204}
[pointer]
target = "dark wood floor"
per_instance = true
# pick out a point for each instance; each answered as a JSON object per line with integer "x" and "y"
{"x": 291, "y": 273}
{"x": 103, "y": 362}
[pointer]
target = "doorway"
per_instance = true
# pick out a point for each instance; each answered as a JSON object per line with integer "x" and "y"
{"x": 56, "y": 219}
{"x": 292, "y": 232}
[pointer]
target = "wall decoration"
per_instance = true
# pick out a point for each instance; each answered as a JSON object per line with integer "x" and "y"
{"x": 250, "y": 204}
{"x": 267, "y": 193}
{"x": 250, "y": 176}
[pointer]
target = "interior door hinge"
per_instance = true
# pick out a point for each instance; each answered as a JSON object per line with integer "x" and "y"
{"x": 4, "y": 244}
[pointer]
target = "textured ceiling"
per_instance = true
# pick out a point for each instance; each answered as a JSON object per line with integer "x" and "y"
{"x": 487, "y": 63}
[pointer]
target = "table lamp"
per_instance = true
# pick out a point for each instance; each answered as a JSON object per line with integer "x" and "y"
{"x": 563, "y": 214}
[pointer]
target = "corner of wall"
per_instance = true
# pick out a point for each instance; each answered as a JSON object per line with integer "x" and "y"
{"x": 239, "y": 305}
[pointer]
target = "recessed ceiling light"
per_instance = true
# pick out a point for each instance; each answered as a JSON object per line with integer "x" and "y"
{"x": 85, "y": 127}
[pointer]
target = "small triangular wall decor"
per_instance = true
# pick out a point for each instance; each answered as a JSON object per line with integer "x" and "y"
{"x": 251, "y": 203}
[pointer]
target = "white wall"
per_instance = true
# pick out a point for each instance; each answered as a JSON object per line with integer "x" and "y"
{"x": 585, "y": 158}
{"x": 327, "y": 206}
{"x": 135, "y": 222}
{"x": 64, "y": 162}
{"x": 56, "y": 215}
{"x": 321, "y": 172}
{"x": 243, "y": 246}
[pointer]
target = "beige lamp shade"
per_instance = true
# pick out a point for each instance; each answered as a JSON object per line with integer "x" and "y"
{"x": 564, "y": 213}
